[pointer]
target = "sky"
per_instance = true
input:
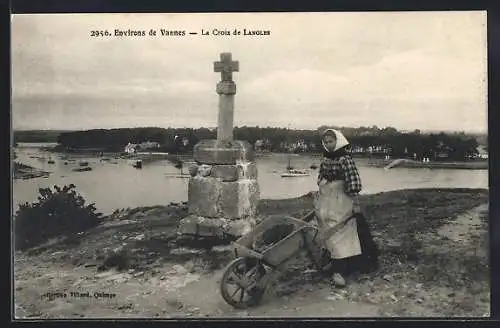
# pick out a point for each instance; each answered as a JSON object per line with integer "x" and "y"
{"x": 408, "y": 70}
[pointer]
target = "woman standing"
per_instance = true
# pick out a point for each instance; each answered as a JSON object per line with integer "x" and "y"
{"x": 343, "y": 227}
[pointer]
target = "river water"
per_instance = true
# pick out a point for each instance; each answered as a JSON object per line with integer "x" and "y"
{"x": 116, "y": 184}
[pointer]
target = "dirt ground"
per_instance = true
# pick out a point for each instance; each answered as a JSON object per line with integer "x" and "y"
{"x": 434, "y": 263}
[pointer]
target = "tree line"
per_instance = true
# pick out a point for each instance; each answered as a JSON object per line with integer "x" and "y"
{"x": 36, "y": 136}
{"x": 396, "y": 143}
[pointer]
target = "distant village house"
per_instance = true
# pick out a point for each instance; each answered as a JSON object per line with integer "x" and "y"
{"x": 482, "y": 152}
{"x": 131, "y": 148}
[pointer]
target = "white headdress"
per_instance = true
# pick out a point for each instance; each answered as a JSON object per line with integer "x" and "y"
{"x": 341, "y": 140}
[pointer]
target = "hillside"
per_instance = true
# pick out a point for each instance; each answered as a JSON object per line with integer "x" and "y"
{"x": 433, "y": 242}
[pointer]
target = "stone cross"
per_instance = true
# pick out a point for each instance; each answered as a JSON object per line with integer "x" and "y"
{"x": 226, "y": 89}
{"x": 226, "y": 66}
{"x": 223, "y": 192}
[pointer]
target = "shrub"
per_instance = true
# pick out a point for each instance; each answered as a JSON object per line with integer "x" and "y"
{"x": 57, "y": 213}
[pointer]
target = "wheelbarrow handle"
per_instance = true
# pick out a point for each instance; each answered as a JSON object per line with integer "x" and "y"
{"x": 310, "y": 216}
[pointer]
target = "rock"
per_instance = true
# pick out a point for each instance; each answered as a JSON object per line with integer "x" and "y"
{"x": 104, "y": 274}
{"x": 394, "y": 243}
{"x": 387, "y": 278}
{"x": 193, "y": 169}
{"x": 334, "y": 297}
{"x": 119, "y": 258}
{"x": 220, "y": 229}
{"x": 140, "y": 237}
{"x": 222, "y": 249}
{"x": 204, "y": 170}
{"x": 189, "y": 266}
{"x": 238, "y": 228}
{"x": 202, "y": 227}
{"x": 185, "y": 251}
{"x": 118, "y": 278}
{"x": 179, "y": 269}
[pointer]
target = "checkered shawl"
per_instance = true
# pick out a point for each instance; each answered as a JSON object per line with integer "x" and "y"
{"x": 341, "y": 168}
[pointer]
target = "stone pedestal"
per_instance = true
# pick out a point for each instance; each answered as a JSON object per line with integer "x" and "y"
{"x": 223, "y": 152}
{"x": 212, "y": 197}
{"x": 223, "y": 190}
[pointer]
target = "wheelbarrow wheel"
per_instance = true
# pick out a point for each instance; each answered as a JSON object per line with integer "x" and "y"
{"x": 239, "y": 285}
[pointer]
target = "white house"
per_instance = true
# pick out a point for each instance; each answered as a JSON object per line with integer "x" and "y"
{"x": 131, "y": 148}
{"x": 482, "y": 152}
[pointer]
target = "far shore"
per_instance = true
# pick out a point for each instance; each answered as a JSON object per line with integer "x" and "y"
{"x": 373, "y": 160}
{"x": 412, "y": 164}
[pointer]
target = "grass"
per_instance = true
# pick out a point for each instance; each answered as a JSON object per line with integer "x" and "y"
{"x": 417, "y": 267}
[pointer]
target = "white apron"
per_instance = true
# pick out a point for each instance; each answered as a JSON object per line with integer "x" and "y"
{"x": 337, "y": 227}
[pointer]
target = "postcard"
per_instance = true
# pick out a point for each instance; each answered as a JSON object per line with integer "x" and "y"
{"x": 237, "y": 165}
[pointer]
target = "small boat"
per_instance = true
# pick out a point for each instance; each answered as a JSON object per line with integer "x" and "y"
{"x": 295, "y": 173}
{"x": 138, "y": 164}
{"x": 51, "y": 161}
{"x": 83, "y": 163}
{"x": 292, "y": 172}
{"x": 82, "y": 169}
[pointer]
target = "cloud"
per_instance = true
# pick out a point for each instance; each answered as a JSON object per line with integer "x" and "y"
{"x": 351, "y": 67}
{"x": 300, "y": 85}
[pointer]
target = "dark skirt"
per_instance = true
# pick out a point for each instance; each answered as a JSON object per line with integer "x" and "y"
{"x": 367, "y": 261}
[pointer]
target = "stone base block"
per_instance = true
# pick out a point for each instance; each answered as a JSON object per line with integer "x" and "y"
{"x": 211, "y": 152}
{"x": 230, "y": 173}
{"x": 203, "y": 196}
{"x": 220, "y": 228}
{"x": 210, "y": 197}
{"x": 226, "y": 173}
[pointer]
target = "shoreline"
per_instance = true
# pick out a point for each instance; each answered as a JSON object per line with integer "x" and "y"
{"x": 25, "y": 172}
{"x": 412, "y": 164}
{"x": 372, "y": 161}
{"x": 163, "y": 278}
